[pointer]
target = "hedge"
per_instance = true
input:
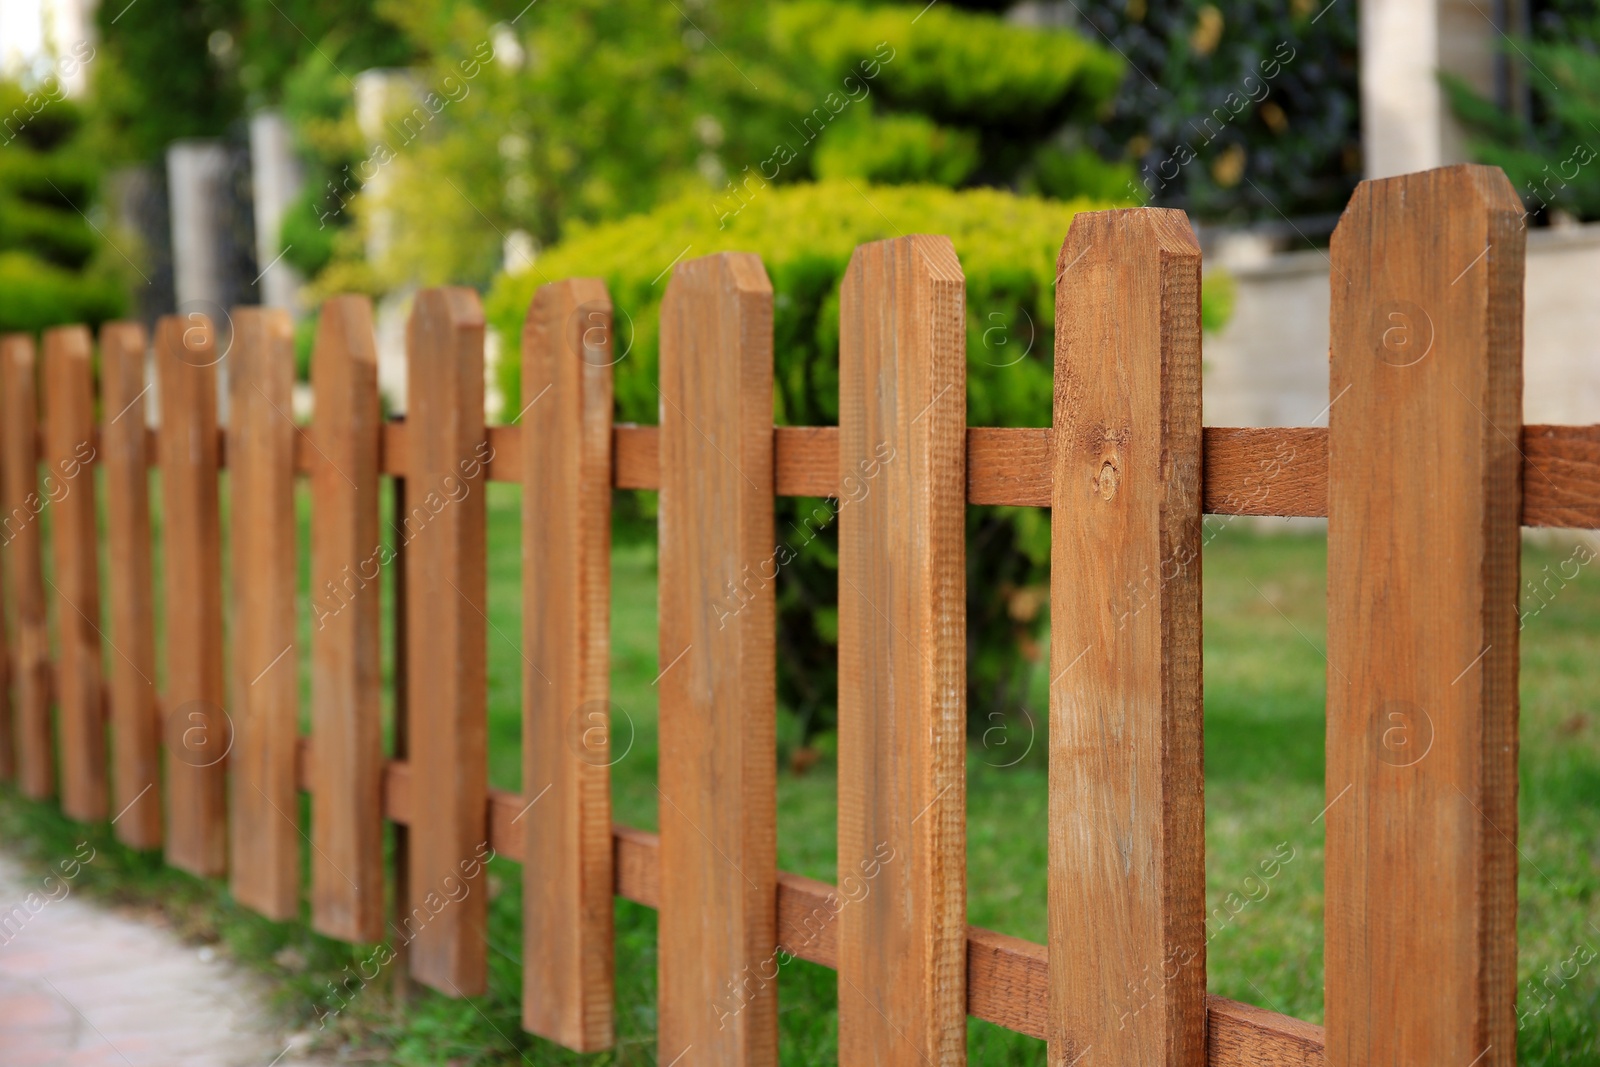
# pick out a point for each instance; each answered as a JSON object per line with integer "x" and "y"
{"x": 805, "y": 234}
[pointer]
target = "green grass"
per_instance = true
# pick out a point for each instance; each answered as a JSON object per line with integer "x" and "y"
{"x": 1265, "y": 676}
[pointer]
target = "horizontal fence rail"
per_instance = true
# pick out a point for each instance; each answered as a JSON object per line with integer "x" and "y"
{"x": 1128, "y": 471}
{"x": 1269, "y": 471}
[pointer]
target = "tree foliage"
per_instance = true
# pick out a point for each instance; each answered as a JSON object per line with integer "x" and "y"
{"x": 597, "y": 109}
{"x": 1552, "y": 156}
{"x": 55, "y": 267}
{"x": 1235, "y": 109}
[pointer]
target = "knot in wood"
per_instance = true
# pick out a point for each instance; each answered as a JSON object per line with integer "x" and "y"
{"x": 1106, "y": 481}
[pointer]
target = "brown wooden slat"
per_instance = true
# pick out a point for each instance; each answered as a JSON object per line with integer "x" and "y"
{"x": 23, "y": 503}
{"x": 1008, "y": 466}
{"x": 635, "y": 457}
{"x": 902, "y": 653}
{"x": 69, "y": 432}
{"x": 1246, "y": 1036}
{"x": 638, "y": 865}
{"x": 264, "y": 808}
{"x": 1423, "y": 556}
{"x": 347, "y": 872}
{"x": 808, "y": 912}
{"x": 1008, "y": 981}
{"x": 446, "y": 660}
{"x": 717, "y": 713}
{"x": 568, "y": 988}
{"x": 1561, "y": 476}
{"x": 197, "y": 731}
{"x": 1274, "y": 471}
{"x": 135, "y": 713}
{"x": 1127, "y": 811}
{"x": 1265, "y": 471}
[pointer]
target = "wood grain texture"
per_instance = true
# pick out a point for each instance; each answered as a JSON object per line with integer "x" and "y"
{"x": 1561, "y": 476}
{"x": 264, "y": 665}
{"x": 1242, "y": 1035}
{"x": 568, "y": 989}
{"x": 347, "y": 557}
{"x": 197, "y": 731}
{"x": 718, "y": 772}
{"x": 125, "y": 456}
{"x": 1423, "y": 557}
{"x": 1127, "y": 819}
{"x": 1270, "y": 471}
{"x": 1265, "y": 471}
{"x": 446, "y": 661}
{"x": 902, "y": 654}
{"x": 68, "y": 457}
{"x": 30, "y": 646}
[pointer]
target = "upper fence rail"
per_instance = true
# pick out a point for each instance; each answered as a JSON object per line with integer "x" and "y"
{"x": 1268, "y": 471}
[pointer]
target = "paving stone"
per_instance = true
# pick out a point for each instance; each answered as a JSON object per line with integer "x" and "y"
{"x": 86, "y": 986}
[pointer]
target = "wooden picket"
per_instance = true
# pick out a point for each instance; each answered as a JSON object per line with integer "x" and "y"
{"x": 347, "y": 555}
{"x": 1422, "y": 620}
{"x": 134, "y": 707}
{"x": 568, "y": 989}
{"x": 23, "y": 504}
{"x": 1127, "y": 815}
{"x": 446, "y": 664}
{"x": 718, "y": 777}
{"x": 902, "y": 655}
{"x": 1422, "y": 687}
{"x": 68, "y": 449}
{"x": 264, "y": 667}
{"x": 196, "y": 730}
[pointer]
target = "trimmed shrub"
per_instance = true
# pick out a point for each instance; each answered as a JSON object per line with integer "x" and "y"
{"x": 805, "y": 234}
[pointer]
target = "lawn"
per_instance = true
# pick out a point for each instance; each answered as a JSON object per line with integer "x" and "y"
{"x": 1265, "y": 634}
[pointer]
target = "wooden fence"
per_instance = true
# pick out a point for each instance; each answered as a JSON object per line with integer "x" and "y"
{"x": 1425, "y": 474}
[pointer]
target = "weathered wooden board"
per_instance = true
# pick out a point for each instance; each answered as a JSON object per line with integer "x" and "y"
{"x": 135, "y": 707}
{"x": 718, "y": 776}
{"x": 568, "y": 990}
{"x": 446, "y": 664}
{"x": 69, "y": 454}
{"x": 264, "y": 806}
{"x": 1127, "y": 815}
{"x": 902, "y": 655}
{"x": 347, "y": 557}
{"x": 1423, "y": 556}
{"x": 24, "y": 502}
{"x": 197, "y": 731}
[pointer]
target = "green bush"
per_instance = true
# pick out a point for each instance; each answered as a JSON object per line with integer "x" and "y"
{"x": 34, "y": 295}
{"x": 896, "y": 150}
{"x": 955, "y": 65}
{"x": 55, "y": 267}
{"x": 805, "y": 235}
